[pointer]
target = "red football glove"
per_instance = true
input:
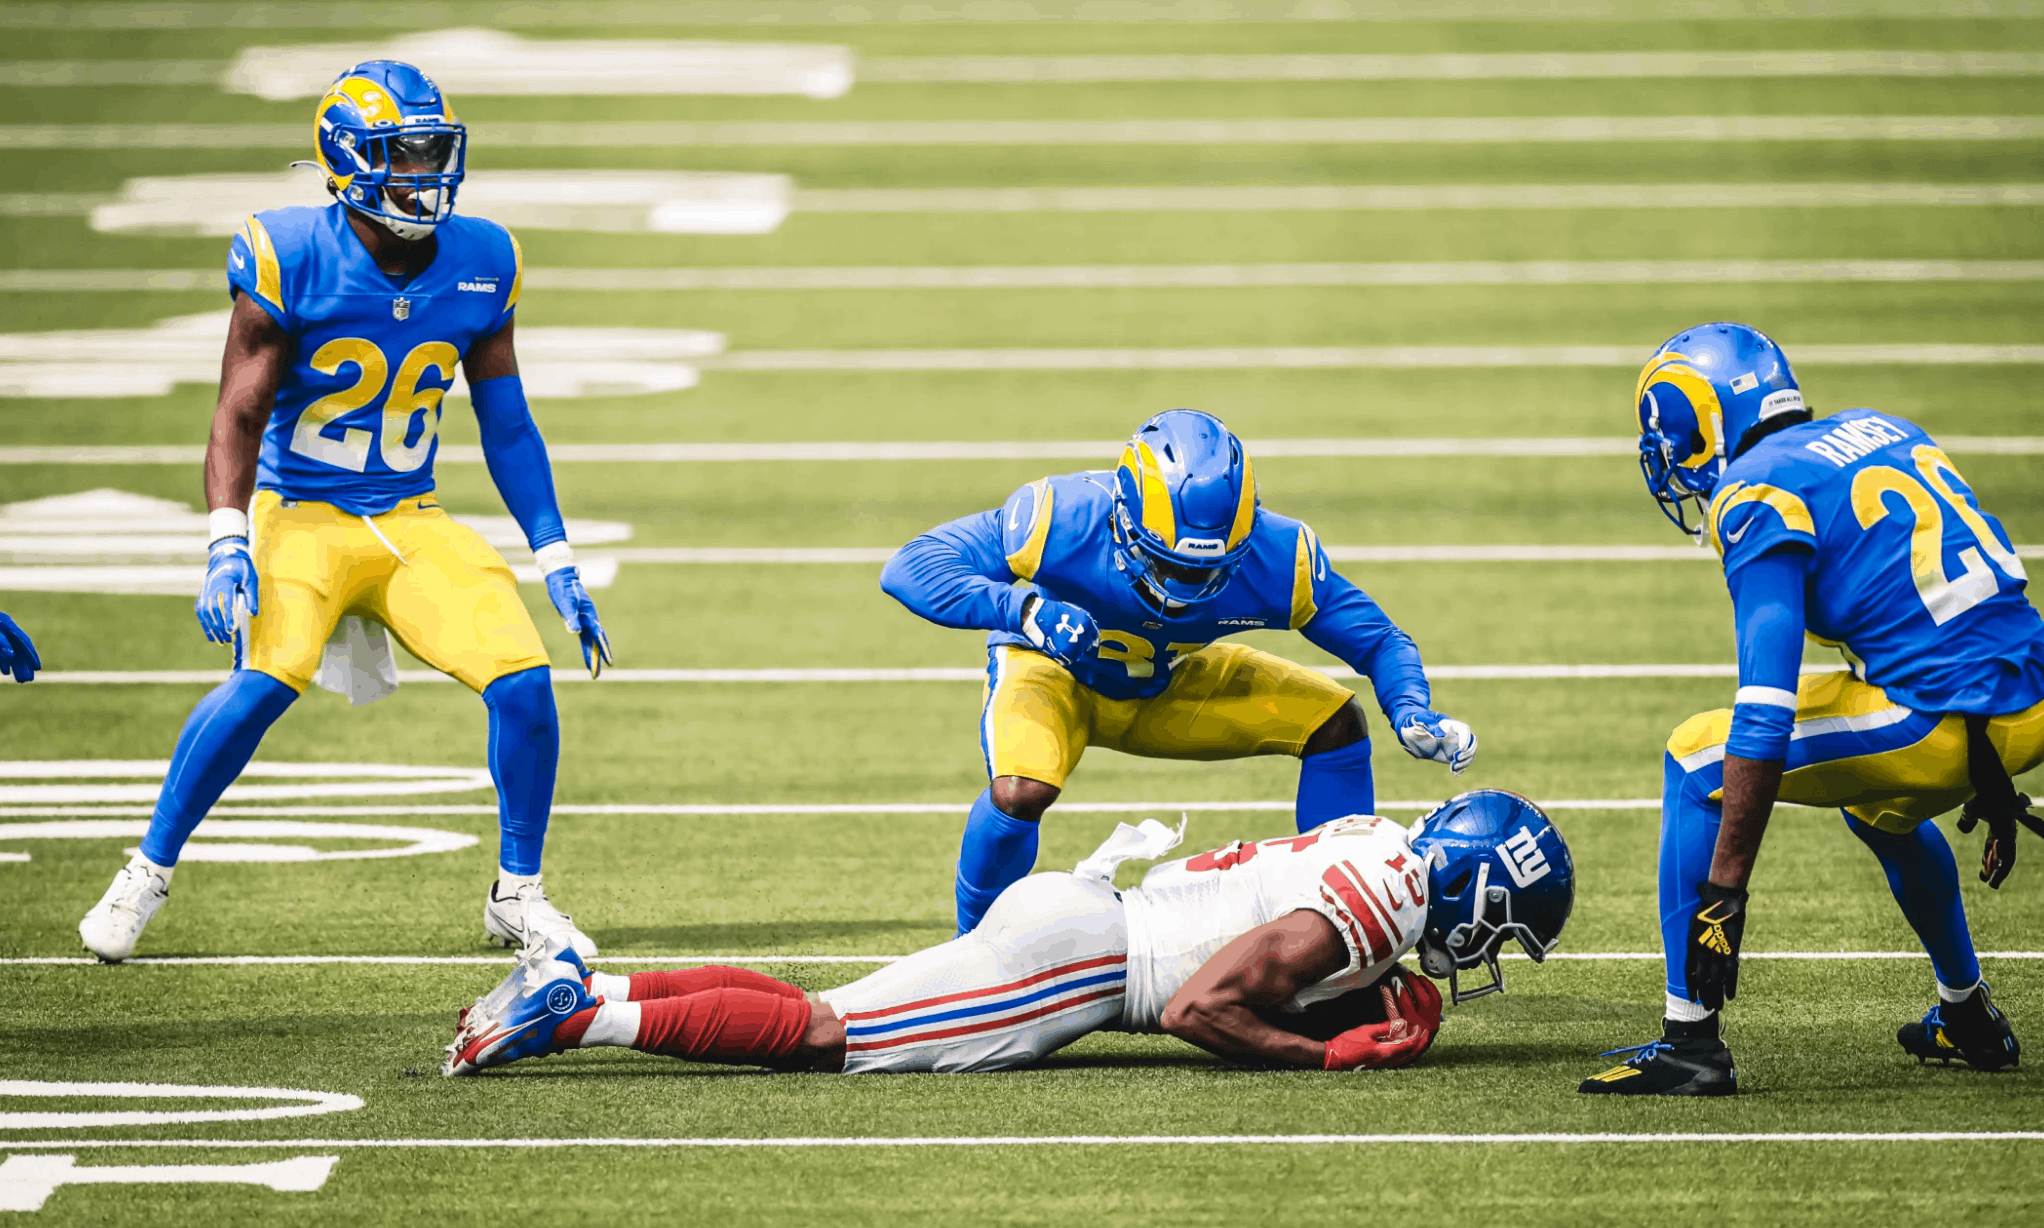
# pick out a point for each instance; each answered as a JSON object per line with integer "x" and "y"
{"x": 1413, "y": 1011}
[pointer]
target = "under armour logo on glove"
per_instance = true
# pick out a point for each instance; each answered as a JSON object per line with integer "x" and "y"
{"x": 1059, "y": 630}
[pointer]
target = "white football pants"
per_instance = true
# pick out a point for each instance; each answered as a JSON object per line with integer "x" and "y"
{"x": 1046, "y": 966}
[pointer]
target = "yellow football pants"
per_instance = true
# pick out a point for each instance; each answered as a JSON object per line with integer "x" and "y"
{"x": 1226, "y": 701}
{"x": 440, "y": 588}
{"x": 1853, "y": 748}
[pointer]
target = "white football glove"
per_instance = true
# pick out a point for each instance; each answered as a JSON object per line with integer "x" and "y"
{"x": 1443, "y": 739}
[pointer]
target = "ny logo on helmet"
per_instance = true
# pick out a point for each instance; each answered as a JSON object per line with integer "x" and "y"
{"x": 1523, "y": 859}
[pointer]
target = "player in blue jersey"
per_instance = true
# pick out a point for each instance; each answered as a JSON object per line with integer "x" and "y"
{"x": 1857, "y": 530}
{"x": 17, "y": 653}
{"x": 1104, "y": 593}
{"x": 349, "y": 324}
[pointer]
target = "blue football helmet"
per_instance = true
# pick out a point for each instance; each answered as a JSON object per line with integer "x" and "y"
{"x": 384, "y": 126}
{"x": 1184, "y": 503}
{"x": 1699, "y": 398}
{"x": 1496, "y": 868}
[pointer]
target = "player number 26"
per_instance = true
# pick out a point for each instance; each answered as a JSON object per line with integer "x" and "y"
{"x": 1946, "y": 597}
{"x": 406, "y": 401}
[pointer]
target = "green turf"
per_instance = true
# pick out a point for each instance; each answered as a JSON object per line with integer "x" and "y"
{"x": 1813, "y": 1037}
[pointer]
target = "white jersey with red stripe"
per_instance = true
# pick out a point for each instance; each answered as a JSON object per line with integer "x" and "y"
{"x": 1360, "y": 873}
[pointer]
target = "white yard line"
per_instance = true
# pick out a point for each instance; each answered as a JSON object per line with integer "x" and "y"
{"x": 1135, "y": 276}
{"x": 1082, "y": 69}
{"x": 1431, "y": 130}
{"x": 1096, "y": 451}
{"x": 1479, "y": 673}
{"x": 310, "y": 14}
{"x": 1429, "y": 197}
{"x": 271, "y": 961}
{"x": 767, "y": 809}
{"x": 1541, "y": 65}
{"x": 1391, "y": 357}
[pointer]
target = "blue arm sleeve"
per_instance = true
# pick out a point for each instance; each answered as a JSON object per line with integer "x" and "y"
{"x": 956, "y": 575}
{"x": 1356, "y": 629}
{"x": 517, "y": 459}
{"x": 1767, "y": 609}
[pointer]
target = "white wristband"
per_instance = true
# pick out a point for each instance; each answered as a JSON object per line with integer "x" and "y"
{"x": 554, "y": 556}
{"x": 225, "y": 522}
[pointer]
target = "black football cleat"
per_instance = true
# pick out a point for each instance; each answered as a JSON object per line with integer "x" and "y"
{"x": 1973, "y": 1031}
{"x": 1688, "y": 1060}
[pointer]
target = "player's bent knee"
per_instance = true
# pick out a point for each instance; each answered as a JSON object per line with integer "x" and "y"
{"x": 1345, "y": 728}
{"x": 1019, "y": 797}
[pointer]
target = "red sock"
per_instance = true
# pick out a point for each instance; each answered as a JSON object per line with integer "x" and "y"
{"x": 568, "y": 1032}
{"x": 740, "y": 1026}
{"x": 682, "y": 982}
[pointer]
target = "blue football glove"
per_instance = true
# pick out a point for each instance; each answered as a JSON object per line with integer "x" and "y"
{"x": 17, "y": 654}
{"x": 230, "y": 580}
{"x": 564, "y": 585}
{"x": 1059, "y": 630}
{"x": 1427, "y": 734}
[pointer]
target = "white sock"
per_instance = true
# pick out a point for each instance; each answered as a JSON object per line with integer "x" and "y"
{"x": 162, "y": 872}
{"x": 509, "y": 883}
{"x": 610, "y": 986}
{"x": 1682, "y": 1010}
{"x": 616, "y": 1024}
{"x": 1947, "y": 994}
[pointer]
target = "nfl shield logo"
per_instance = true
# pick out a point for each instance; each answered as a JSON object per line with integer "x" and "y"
{"x": 400, "y": 308}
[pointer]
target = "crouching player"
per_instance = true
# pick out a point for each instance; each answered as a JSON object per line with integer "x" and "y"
{"x": 348, "y": 324}
{"x": 1255, "y": 952}
{"x": 1127, "y": 579}
{"x": 1857, "y": 530}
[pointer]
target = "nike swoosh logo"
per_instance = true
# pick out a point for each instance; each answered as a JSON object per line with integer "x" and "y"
{"x": 239, "y": 263}
{"x": 1734, "y": 537}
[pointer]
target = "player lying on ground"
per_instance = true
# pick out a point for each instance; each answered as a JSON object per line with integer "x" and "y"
{"x": 17, "y": 653}
{"x": 348, "y": 324}
{"x": 1251, "y": 951}
{"x": 1856, "y": 530}
{"x": 1126, "y": 580}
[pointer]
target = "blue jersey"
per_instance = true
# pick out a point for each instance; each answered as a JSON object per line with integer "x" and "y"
{"x": 1908, "y": 575}
{"x": 357, "y": 416}
{"x": 1054, "y": 535}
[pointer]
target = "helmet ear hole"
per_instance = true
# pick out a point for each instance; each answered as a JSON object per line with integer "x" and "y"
{"x": 1459, "y": 885}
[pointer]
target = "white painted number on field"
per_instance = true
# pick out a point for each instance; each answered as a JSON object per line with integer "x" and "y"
{"x": 26, "y": 1182}
{"x": 1523, "y": 858}
{"x": 307, "y": 1104}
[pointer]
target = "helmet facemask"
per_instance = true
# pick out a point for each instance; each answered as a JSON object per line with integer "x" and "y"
{"x": 407, "y": 178}
{"x": 1476, "y": 942}
{"x": 1674, "y": 485}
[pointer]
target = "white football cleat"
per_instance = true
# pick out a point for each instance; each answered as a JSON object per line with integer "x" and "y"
{"x": 527, "y": 919}
{"x": 115, "y": 924}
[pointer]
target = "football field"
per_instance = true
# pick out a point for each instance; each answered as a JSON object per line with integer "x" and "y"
{"x": 1413, "y": 254}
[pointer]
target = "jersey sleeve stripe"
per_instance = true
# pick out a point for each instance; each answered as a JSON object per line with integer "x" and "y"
{"x": 1026, "y": 560}
{"x": 1303, "y": 607}
{"x": 1386, "y": 915}
{"x": 991, "y": 990}
{"x": 1379, "y": 947}
{"x": 518, "y": 272}
{"x": 1795, "y": 515}
{"x": 1772, "y": 696}
{"x": 269, "y": 276}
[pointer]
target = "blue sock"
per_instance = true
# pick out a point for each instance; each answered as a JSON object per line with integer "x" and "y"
{"x": 1335, "y": 784}
{"x": 997, "y": 851}
{"x": 525, "y": 748}
{"x": 1689, "y": 838}
{"x": 1925, "y": 881}
{"x": 219, "y": 738}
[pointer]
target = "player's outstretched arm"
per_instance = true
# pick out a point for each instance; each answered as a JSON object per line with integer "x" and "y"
{"x": 957, "y": 575}
{"x": 253, "y": 364}
{"x": 1348, "y": 624}
{"x": 516, "y": 455}
{"x": 1261, "y": 970}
